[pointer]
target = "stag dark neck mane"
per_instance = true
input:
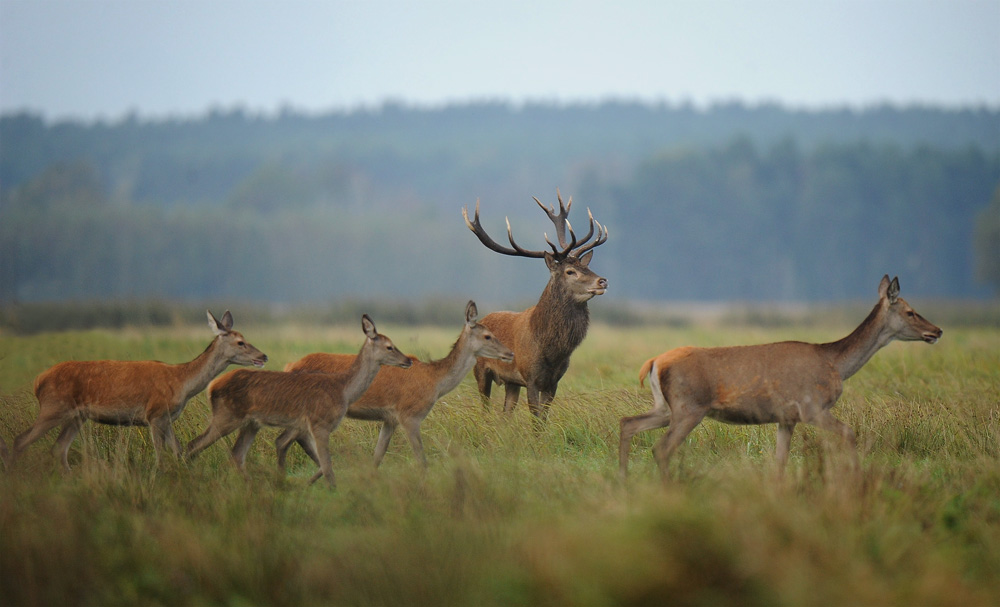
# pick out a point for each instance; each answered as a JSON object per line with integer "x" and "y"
{"x": 559, "y": 320}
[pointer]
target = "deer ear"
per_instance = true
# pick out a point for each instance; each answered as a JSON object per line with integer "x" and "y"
{"x": 551, "y": 262}
{"x": 883, "y": 287}
{"x": 368, "y": 326}
{"x": 471, "y": 312}
{"x": 215, "y": 325}
{"x": 893, "y": 291}
{"x": 586, "y": 257}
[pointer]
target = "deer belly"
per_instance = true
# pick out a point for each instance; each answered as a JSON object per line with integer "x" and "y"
{"x": 741, "y": 416}
{"x": 124, "y": 416}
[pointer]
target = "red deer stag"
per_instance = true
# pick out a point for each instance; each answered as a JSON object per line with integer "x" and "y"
{"x": 311, "y": 405}
{"x": 404, "y": 398}
{"x": 131, "y": 393}
{"x": 544, "y": 336}
{"x": 784, "y": 383}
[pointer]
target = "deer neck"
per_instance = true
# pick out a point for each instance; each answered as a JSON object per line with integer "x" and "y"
{"x": 852, "y": 352}
{"x": 361, "y": 374}
{"x": 450, "y": 370}
{"x": 558, "y": 321}
{"x": 199, "y": 372}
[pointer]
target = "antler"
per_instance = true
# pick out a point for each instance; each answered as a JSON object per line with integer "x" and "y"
{"x": 491, "y": 244}
{"x": 561, "y": 223}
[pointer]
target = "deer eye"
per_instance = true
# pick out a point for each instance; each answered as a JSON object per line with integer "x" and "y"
{"x": 241, "y": 343}
{"x": 910, "y": 313}
{"x": 488, "y": 337}
{"x": 570, "y": 272}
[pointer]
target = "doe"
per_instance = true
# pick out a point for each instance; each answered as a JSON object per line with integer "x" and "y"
{"x": 310, "y": 405}
{"x": 784, "y": 383}
{"x": 404, "y": 398}
{"x": 131, "y": 393}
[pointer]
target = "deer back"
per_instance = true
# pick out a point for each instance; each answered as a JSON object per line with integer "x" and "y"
{"x": 395, "y": 392}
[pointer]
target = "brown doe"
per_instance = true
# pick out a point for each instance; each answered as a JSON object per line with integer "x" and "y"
{"x": 404, "y": 398}
{"x": 784, "y": 383}
{"x": 545, "y": 335}
{"x": 311, "y": 405}
{"x": 131, "y": 393}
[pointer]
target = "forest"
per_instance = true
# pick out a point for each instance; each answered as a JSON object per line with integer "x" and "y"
{"x": 730, "y": 202}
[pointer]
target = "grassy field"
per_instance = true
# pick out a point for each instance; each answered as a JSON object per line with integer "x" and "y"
{"x": 507, "y": 515}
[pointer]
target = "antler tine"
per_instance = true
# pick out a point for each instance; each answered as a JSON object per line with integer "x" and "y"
{"x": 602, "y": 237}
{"x": 517, "y": 247}
{"x": 491, "y": 244}
{"x": 557, "y": 219}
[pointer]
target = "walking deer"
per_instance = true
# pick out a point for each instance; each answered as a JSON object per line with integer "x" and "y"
{"x": 544, "y": 336}
{"x": 404, "y": 398}
{"x": 784, "y": 383}
{"x": 310, "y": 405}
{"x": 131, "y": 393}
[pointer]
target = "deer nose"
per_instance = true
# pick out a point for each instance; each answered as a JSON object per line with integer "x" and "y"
{"x": 602, "y": 282}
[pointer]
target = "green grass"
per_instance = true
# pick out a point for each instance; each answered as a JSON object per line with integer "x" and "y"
{"x": 507, "y": 514}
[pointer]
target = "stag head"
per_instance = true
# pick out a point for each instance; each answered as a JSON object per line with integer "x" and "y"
{"x": 569, "y": 262}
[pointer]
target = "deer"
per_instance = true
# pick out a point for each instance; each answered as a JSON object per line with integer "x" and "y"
{"x": 783, "y": 383}
{"x": 404, "y": 398}
{"x": 131, "y": 393}
{"x": 545, "y": 335}
{"x": 309, "y": 405}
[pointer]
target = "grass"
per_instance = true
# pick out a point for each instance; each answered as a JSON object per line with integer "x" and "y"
{"x": 507, "y": 514}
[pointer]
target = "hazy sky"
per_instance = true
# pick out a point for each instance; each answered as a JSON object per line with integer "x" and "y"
{"x": 98, "y": 58}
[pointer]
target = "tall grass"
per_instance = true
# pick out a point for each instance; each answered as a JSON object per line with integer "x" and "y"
{"x": 511, "y": 514}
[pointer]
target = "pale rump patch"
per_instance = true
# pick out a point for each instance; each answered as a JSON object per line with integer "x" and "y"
{"x": 664, "y": 360}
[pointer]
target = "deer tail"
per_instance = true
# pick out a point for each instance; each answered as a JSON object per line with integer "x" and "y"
{"x": 644, "y": 372}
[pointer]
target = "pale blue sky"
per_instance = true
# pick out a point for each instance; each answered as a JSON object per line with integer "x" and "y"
{"x": 99, "y": 58}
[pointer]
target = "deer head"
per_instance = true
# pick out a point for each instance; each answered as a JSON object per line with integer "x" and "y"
{"x": 483, "y": 342}
{"x": 235, "y": 348}
{"x": 569, "y": 262}
{"x": 902, "y": 321}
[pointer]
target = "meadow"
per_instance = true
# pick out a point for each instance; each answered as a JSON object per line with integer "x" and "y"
{"x": 510, "y": 514}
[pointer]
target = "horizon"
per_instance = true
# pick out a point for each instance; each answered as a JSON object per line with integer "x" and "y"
{"x": 104, "y": 61}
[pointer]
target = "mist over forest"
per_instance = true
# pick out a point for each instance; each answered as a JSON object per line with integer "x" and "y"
{"x": 730, "y": 202}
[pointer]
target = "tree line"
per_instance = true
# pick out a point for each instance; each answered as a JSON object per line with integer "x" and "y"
{"x": 727, "y": 203}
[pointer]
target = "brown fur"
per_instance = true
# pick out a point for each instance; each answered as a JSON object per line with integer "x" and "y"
{"x": 131, "y": 393}
{"x": 786, "y": 383}
{"x": 311, "y": 406}
{"x": 404, "y": 398}
{"x": 545, "y": 335}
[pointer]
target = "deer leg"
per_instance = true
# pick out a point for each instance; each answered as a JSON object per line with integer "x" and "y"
{"x": 382, "y": 444}
{"x": 322, "y": 445}
{"x": 242, "y": 445}
{"x": 511, "y": 392}
{"x": 412, "y": 427}
{"x": 828, "y": 422}
{"x": 679, "y": 429}
{"x": 45, "y": 422}
{"x": 220, "y": 426}
{"x": 66, "y": 436}
{"x": 784, "y": 441}
{"x": 630, "y": 426}
{"x": 539, "y": 402}
{"x": 484, "y": 381}
{"x": 285, "y": 440}
{"x": 162, "y": 431}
